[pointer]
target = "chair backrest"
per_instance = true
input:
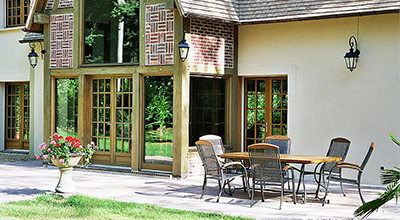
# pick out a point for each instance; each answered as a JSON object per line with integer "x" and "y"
{"x": 216, "y": 141}
{"x": 366, "y": 158}
{"x": 265, "y": 162}
{"x": 339, "y": 148}
{"x": 209, "y": 158}
{"x": 281, "y": 141}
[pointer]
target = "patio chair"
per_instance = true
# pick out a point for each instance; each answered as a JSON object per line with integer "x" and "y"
{"x": 214, "y": 169}
{"x": 339, "y": 147}
{"x": 351, "y": 166}
{"x": 216, "y": 141}
{"x": 266, "y": 169}
{"x": 283, "y": 143}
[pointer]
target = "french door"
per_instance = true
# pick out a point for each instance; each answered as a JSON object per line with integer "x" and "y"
{"x": 266, "y": 107}
{"x": 17, "y": 116}
{"x": 111, "y": 122}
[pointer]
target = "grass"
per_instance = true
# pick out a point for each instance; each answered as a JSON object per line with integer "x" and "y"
{"x": 49, "y": 206}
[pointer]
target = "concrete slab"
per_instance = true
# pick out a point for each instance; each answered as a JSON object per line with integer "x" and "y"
{"x": 25, "y": 180}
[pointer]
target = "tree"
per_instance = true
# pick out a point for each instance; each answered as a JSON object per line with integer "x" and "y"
{"x": 390, "y": 177}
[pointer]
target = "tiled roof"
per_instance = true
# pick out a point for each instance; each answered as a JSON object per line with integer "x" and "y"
{"x": 253, "y": 11}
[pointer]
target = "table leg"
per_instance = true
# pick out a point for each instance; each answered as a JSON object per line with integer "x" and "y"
{"x": 302, "y": 180}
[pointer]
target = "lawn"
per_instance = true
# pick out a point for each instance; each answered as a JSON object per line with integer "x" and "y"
{"x": 51, "y": 206}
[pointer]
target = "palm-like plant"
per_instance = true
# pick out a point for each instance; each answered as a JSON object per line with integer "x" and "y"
{"x": 390, "y": 177}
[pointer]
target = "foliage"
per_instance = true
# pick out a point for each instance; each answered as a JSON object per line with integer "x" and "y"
{"x": 51, "y": 206}
{"x": 67, "y": 104}
{"x": 60, "y": 148}
{"x": 390, "y": 177}
{"x": 103, "y": 20}
{"x": 159, "y": 104}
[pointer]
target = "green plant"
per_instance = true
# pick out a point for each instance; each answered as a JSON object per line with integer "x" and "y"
{"x": 60, "y": 148}
{"x": 390, "y": 177}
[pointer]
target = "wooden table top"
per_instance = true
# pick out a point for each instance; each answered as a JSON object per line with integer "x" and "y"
{"x": 286, "y": 158}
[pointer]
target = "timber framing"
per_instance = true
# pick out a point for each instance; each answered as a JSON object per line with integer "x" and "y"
{"x": 180, "y": 71}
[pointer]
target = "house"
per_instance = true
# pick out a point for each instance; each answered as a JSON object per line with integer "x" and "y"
{"x": 113, "y": 75}
{"x": 17, "y": 82}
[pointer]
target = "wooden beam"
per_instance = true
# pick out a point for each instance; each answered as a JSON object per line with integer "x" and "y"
{"x": 170, "y": 4}
{"x": 39, "y": 18}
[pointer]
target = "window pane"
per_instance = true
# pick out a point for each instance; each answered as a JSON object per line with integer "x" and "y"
{"x": 158, "y": 120}
{"x": 66, "y": 107}
{"x": 111, "y": 31}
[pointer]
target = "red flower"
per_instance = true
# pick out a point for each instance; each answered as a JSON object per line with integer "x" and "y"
{"x": 57, "y": 145}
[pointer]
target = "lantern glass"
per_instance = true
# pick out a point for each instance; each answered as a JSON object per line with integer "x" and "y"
{"x": 33, "y": 58}
{"x": 183, "y": 51}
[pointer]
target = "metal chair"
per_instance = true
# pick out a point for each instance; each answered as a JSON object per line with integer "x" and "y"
{"x": 216, "y": 141}
{"x": 214, "y": 169}
{"x": 339, "y": 147}
{"x": 281, "y": 141}
{"x": 266, "y": 169}
{"x": 352, "y": 166}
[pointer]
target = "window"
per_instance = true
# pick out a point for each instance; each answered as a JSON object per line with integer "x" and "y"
{"x": 17, "y": 12}
{"x": 66, "y": 106}
{"x": 207, "y": 108}
{"x": 111, "y": 31}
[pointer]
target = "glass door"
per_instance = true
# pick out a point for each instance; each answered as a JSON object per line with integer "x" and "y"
{"x": 17, "y": 116}
{"x": 111, "y": 127}
{"x": 266, "y": 109}
{"x": 158, "y": 117}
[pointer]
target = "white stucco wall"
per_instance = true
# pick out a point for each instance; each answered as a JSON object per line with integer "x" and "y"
{"x": 325, "y": 99}
{"x": 15, "y": 68}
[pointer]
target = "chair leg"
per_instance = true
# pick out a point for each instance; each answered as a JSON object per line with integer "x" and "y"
{"x": 326, "y": 192}
{"x": 262, "y": 192}
{"x": 359, "y": 190}
{"x": 294, "y": 191}
{"x": 204, "y": 186}
{"x": 318, "y": 185}
{"x": 220, "y": 189}
{"x": 341, "y": 187}
{"x": 252, "y": 195}
{"x": 282, "y": 189}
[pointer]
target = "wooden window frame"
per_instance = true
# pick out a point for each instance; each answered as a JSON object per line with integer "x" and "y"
{"x": 11, "y": 19}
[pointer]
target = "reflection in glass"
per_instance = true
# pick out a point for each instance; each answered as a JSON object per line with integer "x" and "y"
{"x": 66, "y": 106}
{"x": 158, "y": 120}
{"x": 111, "y": 31}
{"x": 251, "y": 86}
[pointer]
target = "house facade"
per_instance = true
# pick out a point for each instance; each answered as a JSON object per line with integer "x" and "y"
{"x": 18, "y": 83}
{"x": 113, "y": 75}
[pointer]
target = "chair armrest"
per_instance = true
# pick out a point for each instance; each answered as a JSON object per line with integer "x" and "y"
{"x": 349, "y": 165}
{"x": 232, "y": 163}
{"x": 287, "y": 167}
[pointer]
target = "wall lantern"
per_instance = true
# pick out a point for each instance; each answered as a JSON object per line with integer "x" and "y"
{"x": 183, "y": 48}
{"x": 33, "y": 56}
{"x": 351, "y": 58}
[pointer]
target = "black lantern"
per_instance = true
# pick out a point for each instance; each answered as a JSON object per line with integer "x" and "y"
{"x": 351, "y": 58}
{"x": 32, "y": 56}
{"x": 183, "y": 48}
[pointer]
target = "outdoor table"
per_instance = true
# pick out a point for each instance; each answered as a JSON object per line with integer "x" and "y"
{"x": 288, "y": 158}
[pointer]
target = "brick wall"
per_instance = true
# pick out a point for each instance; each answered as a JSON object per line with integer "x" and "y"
{"x": 195, "y": 167}
{"x": 61, "y": 41}
{"x": 66, "y": 4}
{"x": 61, "y": 4}
{"x": 211, "y": 44}
{"x": 159, "y": 35}
{"x": 50, "y": 4}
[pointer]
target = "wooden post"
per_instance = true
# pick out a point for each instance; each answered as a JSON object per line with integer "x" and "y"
{"x": 181, "y": 107}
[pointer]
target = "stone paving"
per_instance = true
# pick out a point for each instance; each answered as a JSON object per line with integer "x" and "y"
{"x": 25, "y": 180}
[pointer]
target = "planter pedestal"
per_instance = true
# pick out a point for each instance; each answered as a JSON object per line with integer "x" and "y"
{"x": 65, "y": 183}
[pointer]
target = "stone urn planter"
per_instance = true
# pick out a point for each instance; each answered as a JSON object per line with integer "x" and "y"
{"x": 65, "y": 183}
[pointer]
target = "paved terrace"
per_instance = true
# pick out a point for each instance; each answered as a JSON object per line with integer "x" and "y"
{"x": 25, "y": 180}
